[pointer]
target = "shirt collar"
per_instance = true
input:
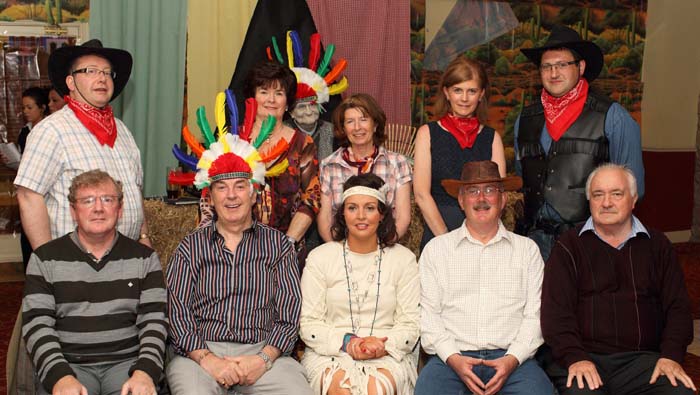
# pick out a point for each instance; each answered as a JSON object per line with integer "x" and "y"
{"x": 214, "y": 233}
{"x": 637, "y": 227}
{"x": 76, "y": 240}
{"x": 464, "y": 235}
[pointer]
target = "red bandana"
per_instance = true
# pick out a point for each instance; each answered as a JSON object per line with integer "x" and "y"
{"x": 463, "y": 129}
{"x": 562, "y": 112}
{"x": 100, "y": 122}
{"x": 364, "y": 165}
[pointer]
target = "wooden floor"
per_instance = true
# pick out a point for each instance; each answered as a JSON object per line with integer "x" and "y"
{"x": 11, "y": 271}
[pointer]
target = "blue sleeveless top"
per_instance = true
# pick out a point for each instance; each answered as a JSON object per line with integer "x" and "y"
{"x": 447, "y": 158}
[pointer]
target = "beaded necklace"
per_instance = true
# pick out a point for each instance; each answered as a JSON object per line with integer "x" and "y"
{"x": 353, "y": 286}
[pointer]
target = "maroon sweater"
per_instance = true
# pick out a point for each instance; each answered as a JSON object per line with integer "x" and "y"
{"x": 598, "y": 299}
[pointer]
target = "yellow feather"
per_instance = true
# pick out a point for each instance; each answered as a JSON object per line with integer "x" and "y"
{"x": 204, "y": 164}
{"x": 338, "y": 87}
{"x": 222, "y": 140}
{"x": 290, "y": 49}
{"x": 277, "y": 169}
{"x": 220, "y": 113}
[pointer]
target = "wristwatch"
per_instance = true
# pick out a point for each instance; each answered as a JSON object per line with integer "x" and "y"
{"x": 143, "y": 236}
{"x": 266, "y": 359}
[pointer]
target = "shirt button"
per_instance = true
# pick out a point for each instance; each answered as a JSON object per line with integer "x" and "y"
{"x": 313, "y": 336}
{"x": 549, "y": 188}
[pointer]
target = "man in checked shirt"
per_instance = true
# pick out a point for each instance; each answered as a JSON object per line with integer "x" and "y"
{"x": 233, "y": 292}
{"x": 480, "y": 297}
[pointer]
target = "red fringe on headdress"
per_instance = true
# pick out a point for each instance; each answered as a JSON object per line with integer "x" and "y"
{"x": 228, "y": 163}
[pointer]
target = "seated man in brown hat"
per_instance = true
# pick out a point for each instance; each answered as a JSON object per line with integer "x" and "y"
{"x": 615, "y": 309}
{"x": 83, "y": 135}
{"x": 480, "y": 299}
{"x": 565, "y": 134}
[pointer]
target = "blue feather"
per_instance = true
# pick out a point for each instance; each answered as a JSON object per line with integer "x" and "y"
{"x": 233, "y": 110}
{"x": 189, "y": 160}
{"x": 296, "y": 46}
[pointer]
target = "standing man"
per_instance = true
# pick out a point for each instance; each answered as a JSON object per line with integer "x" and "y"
{"x": 82, "y": 136}
{"x": 234, "y": 296}
{"x": 615, "y": 309}
{"x": 94, "y": 301}
{"x": 480, "y": 298}
{"x": 562, "y": 137}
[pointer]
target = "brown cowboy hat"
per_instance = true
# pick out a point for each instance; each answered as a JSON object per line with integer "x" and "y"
{"x": 62, "y": 59}
{"x": 565, "y": 37}
{"x": 482, "y": 172}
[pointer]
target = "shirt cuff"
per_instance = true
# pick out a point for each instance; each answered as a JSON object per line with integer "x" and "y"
{"x": 446, "y": 349}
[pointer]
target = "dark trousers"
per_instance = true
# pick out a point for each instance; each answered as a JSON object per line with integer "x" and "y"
{"x": 622, "y": 373}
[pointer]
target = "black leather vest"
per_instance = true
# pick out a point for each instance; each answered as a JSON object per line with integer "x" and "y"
{"x": 560, "y": 176}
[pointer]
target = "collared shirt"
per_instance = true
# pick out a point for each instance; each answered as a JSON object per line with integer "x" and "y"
{"x": 625, "y": 148}
{"x": 60, "y": 148}
{"x": 478, "y": 296}
{"x": 390, "y": 166}
{"x": 637, "y": 227}
{"x": 246, "y": 296}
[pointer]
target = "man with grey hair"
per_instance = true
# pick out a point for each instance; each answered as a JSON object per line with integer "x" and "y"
{"x": 94, "y": 301}
{"x": 615, "y": 309}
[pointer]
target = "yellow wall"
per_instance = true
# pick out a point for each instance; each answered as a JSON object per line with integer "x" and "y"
{"x": 215, "y": 33}
{"x": 671, "y": 75}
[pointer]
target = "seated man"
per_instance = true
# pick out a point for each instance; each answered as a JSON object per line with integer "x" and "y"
{"x": 615, "y": 309}
{"x": 234, "y": 290}
{"x": 480, "y": 300}
{"x": 94, "y": 301}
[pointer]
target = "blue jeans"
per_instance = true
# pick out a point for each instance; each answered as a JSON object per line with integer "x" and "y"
{"x": 438, "y": 378}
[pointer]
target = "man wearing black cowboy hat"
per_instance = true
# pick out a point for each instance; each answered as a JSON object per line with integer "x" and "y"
{"x": 565, "y": 134}
{"x": 480, "y": 298}
{"x": 83, "y": 135}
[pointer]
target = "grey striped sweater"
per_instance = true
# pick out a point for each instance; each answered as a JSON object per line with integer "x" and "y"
{"x": 83, "y": 311}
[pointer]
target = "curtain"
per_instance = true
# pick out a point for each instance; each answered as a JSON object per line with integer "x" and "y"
{"x": 154, "y": 32}
{"x": 216, "y": 30}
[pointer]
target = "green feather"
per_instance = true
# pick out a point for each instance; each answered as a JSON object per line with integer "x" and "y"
{"x": 204, "y": 127}
{"x": 266, "y": 129}
{"x": 323, "y": 67}
{"x": 278, "y": 54}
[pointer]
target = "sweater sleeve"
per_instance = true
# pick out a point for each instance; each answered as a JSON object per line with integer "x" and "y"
{"x": 559, "y": 303}
{"x": 151, "y": 320}
{"x": 677, "y": 334}
{"x": 38, "y": 328}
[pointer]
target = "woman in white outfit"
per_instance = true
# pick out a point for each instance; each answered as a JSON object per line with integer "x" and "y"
{"x": 360, "y": 313}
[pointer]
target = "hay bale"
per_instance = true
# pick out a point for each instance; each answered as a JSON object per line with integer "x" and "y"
{"x": 168, "y": 224}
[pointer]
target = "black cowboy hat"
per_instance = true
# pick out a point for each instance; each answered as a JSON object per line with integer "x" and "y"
{"x": 62, "y": 59}
{"x": 565, "y": 37}
{"x": 481, "y": 172}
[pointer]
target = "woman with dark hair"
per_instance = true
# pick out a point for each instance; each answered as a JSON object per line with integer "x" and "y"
{"x": 359, "y": 124}
{"x": 458, "y": 136}
{"x": 56, "y": 101}
{"x": 360, "y": 294}
{"x": 35, "y": 106}
{"x": 291, "y": 196}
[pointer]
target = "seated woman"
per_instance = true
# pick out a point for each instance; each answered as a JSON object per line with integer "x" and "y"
{"x": 359, "y": 128}
{"x": 458, "y": 136}
{"x": 360, "y": 294}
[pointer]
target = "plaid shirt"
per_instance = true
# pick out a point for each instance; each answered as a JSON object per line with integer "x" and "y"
{"x": 391, "y": 167}
{"x": 60, "y": 148}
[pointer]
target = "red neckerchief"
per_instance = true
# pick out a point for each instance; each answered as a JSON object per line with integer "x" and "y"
{"x": 562, "y": 112}
{"x": 100, "y": 122}
{"x": 463, "y": 129}
{"x": 363, "y": 166}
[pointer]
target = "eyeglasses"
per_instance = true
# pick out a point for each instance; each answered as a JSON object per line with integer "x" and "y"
{"x": 107, "y": 200}
{"x": 547, "y": 67}
{"x": 487, "y": 191}
{"x": 94, "y": 72}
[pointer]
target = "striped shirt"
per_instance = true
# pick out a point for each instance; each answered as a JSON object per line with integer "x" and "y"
{"x": 249, "y": 295}
{"x": 81, "y": 310}
{"x": 60, "y": 148}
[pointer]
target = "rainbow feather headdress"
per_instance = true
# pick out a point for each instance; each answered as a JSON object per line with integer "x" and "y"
{"x": 315, "y": 82}
{"x": 231, "y": 155}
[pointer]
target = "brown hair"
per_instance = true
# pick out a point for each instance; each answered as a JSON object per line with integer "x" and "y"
{"x": 459, "y": 70}
{"x": 386, "y": 231}
{"x": 93, "y": 178}
{"x": 265, "y": 74}
{"x": 368, "y": 107}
